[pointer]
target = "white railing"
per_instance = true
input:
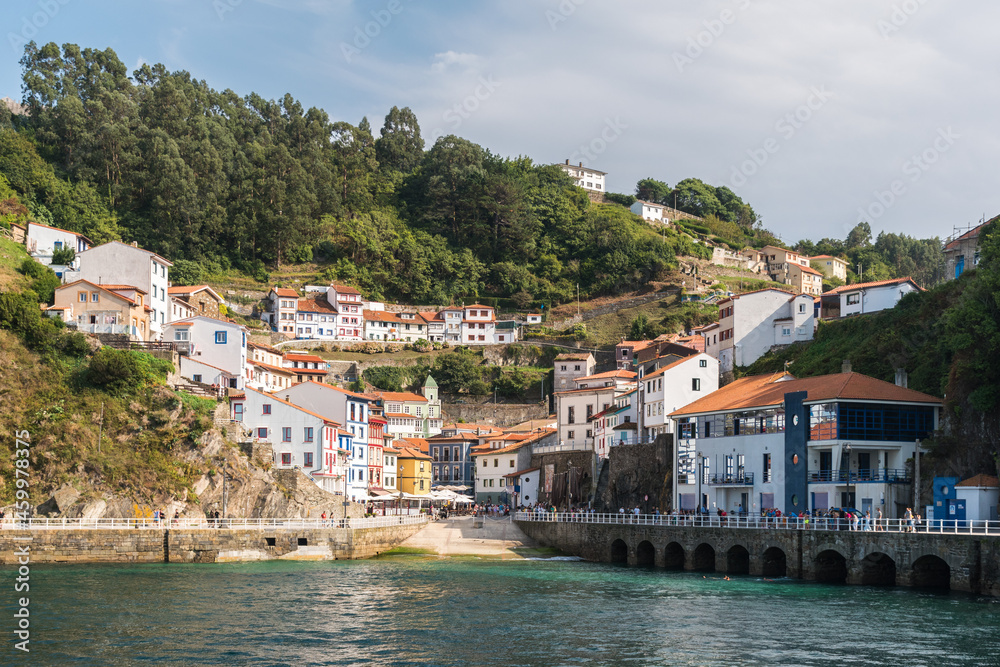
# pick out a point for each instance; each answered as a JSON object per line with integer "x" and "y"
{"x": 934, "y": 526}
{"x": 185, "y": 522}
{"x": 573, "y": 447}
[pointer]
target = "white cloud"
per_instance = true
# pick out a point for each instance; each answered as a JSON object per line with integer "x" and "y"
{"x": 465, "y": 62}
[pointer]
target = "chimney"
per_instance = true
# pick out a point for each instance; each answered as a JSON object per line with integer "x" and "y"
{"x": 901, "y": 379}
{"x": 567, "y": 161}
{"x": 581, "y": 164}
{"x": 846, "y": 366}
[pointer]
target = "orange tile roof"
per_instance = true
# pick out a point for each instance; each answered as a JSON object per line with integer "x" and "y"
{"x": 830, "y": 257}
{"x": 522, "y": 472}
{"x": 760, "y": 391}
{"x": 635, "y": 344}
{"x": 808, "y": 269}
{"x": 293, "y": 356}
{"x": 38, "y": 224}
{"x": 261, "y": 364}
{"x": 316, "y": 304}
{"x": 628, "y": 375}
{"x": 987, "y": 481}
{"x": 971, "y": 234}
{"x": 343, "y": 289}
{"x": 877, "y": 283}
{"x": 572, "y": 356}
{"x": 284, "y": 291}
{"x": 402, "y": 396}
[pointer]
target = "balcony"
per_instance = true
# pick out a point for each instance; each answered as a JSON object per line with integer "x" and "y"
{"x": 744, "y": 479}
{"x": 875, "y": 475}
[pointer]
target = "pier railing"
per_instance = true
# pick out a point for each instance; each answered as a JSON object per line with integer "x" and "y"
{"x": 211, "y": 523}
{"x": 936, "y": 526}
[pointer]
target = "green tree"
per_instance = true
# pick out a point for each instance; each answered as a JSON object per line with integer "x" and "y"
{"x": 400, "y": 146}
{"x": 652, "y": 190}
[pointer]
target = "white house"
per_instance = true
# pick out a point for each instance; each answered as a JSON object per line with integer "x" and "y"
{"x": 282, "y": 307}
{"x": 299, "y": 437}
{"x": 751, "y": 324}
{"x": 212, "y": 351}
{"x": 576, "y": 407}
{"x": 618, "y": 425}
{"x": 981, "y": 494}
{"x": 586, "y": 178}
{"x": 120, "y": 263}
{"x": 648, "y": 210}
{"x": 672, "y": 387}
{"x": 407, "y": 326}
{"x": 533, "y": 318}
{"x": 864, "y": 298}
{"x": 478, "y": 325}
{"x": 774, "y": 441}
{"x": 350, "y": 311}
{"x": 351, "y": 410}
{"x": 492, "y": 467}
{"x": 41, "y": 242}
{"x": 411, "y": 415}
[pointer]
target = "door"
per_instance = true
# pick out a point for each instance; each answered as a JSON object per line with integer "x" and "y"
{"x": 864, "y": 465}
{"x": 866, "y": 505}
{"x": 238, "y": 412}
{"x": 825, "y": 466}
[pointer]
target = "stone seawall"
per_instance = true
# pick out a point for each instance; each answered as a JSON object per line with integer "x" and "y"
{"x": 969, "y": 563}
{"x": 199, "y": 545}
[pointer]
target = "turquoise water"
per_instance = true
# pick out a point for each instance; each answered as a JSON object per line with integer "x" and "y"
{"x": 410, "y": 610}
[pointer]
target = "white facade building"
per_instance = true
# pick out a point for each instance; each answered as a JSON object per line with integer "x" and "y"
{"x": 576, "y": 407}
{"x": 586, "y": 178}
{"x": 672, "y": 387}
{"x": 864, "y": 298}
{"x": 299, "y": 437}
{"x": 648, "y": 210}
{"x": 41, "y": 242}
{"x": 211, "y": 347}
{"x": 774, "y": 441}
{"x": 479, "y": 325}
{"x": 751, "y": 324}
{"x": 119, "y": 263}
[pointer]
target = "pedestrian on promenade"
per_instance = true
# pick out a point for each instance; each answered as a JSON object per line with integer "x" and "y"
{"x": 323, "y": 519}
{"x": 868, "y": 520}
{"x": 878, "y": 519}
{"x": 909, "y": 520}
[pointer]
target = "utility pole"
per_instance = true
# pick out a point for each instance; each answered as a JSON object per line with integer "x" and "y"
{"x": 100, "y": 430}
{"x": 916, "y": 479}
{"x": 578, "y": 299}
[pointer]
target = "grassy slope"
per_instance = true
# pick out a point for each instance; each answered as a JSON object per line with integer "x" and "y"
{"x": 141, "y": 436}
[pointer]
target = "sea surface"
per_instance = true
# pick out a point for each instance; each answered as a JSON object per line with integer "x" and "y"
{"x": 418, "y": 610}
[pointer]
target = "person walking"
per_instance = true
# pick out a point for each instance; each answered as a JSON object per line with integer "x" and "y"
{"x": 878, "y": 519}
{"x": 909, "y": 519}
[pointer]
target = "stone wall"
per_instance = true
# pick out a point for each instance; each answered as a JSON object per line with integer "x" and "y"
{"x": 200, "y": 545}
{"x": 585, "y": 461}
{"x": 971, "y": 562}
{"x": 637, "y": 476}
{"x": 501, "y": 414}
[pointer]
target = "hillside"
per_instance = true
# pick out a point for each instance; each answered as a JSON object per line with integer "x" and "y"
{"x": 948, "y": 341}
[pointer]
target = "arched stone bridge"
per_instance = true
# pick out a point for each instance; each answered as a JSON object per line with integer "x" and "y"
{"x": 968, "y": 563}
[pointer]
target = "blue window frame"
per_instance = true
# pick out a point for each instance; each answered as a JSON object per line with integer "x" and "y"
{"x": 220, "y": 337}
{"x": 886, "y": 423}
{"x": 286, "y": 433}
{"x": 308, "y": 434}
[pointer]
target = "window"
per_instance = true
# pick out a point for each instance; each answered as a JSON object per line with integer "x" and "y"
{"x": 577, "y": 367}
{"x": 590, "y": 411}
{"x": 267, "y": 408}
{"x": 590, "y": 434}
{"x": 562, "y": 368}
{"x": 484, "y": 460}
{"x": 571, "y": 435}
{"x": 571, "y": 415}
{"x": 802, "y": 307}
{"x": 83, "y": 299}
{"x": 196, "y": 378}
{"x": 703, "y": 363}
{"x": 853, "y": 299}
{"x": 786, "y": 331}
{"x": 307, "y": 434}
{"x": 307, "y": 460}
{"x": 262, "y": 433}
{"x": 95, "y": 297}
{"x": 496, "y": 463}
{"x": 512, "y": 463}
{"x": 695, "y": 384}
{"x": 421, "y": 466}
{"x": 220, "y": 337}
{"x": 286, "y": 434}
{"x": 286, "y": 458}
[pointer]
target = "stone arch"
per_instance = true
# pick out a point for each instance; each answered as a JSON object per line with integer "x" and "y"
{"x": 673, "y": 556}
{"x": 619, "y": 551}
{"x": 878, "y": 569}
{"x": 930, "y": 571}
{"x": 830, "y": 567}
{"x": 774, "y": 563}
{"x": 738, "y": 560}
{"x": 645, "y": 554}
{"x": 703, "y": 558}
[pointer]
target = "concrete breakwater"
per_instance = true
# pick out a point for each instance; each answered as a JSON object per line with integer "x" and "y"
{"x": 969, "y": 563}
{"x": 199, "y": 544}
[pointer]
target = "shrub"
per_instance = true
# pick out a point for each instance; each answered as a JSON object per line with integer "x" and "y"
{"x": 63, "y": 256}
{"x": 124, "y": 371}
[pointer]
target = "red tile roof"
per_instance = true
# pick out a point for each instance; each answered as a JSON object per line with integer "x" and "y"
{"x": 971, "y": 234}
{"x": 292, "y": 356}
{"x": 987, "y": 481}
{"x": 877, "y": 283}
{"x": 760, "y": 391}
{"x": 664, "y": 369}
{"x": 401, "y": 396}
{"x": 628, "y": 375}
{"x": 343, "y": 289}
{"x": 284, "y": 291}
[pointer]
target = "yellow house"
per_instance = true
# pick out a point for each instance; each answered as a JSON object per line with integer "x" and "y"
{"x": 413, "y": 470}
{"x": 110, "y": 309}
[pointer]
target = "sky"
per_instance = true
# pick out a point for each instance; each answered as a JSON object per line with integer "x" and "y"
{"x": 818, "y": 114}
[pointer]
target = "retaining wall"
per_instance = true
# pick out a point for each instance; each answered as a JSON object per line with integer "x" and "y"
{"x": 199, "y": 545}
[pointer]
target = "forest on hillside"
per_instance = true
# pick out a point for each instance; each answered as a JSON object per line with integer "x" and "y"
{"x": 218, "y": 182}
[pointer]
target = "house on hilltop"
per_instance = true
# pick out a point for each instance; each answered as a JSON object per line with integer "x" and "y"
{"x": 864, "y": 298}
{"x": 962, "y": 253}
